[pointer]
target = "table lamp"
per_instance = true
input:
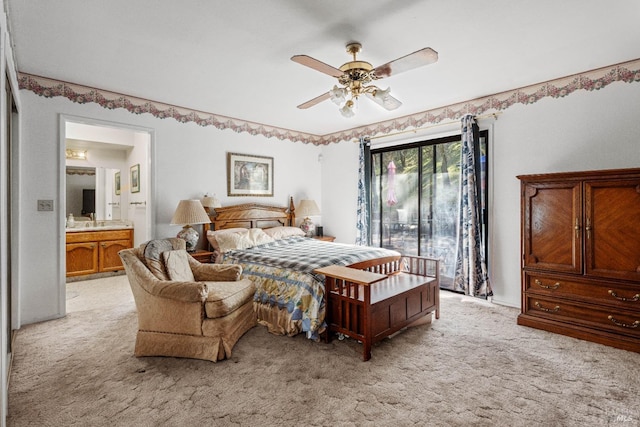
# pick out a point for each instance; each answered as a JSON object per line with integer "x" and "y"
{"x": 308, "y": 208}
{"x": 187, "y": 213}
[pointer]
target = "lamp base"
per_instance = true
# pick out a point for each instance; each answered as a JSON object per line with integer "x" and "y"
{"x": 189, "y": 235}
{"x": 308, "y": 227}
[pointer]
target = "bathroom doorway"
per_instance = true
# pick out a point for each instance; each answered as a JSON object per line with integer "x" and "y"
{"x": 112, "y": 165}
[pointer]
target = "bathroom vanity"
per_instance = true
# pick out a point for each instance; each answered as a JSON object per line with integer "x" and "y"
{"x": 94, "y": 249}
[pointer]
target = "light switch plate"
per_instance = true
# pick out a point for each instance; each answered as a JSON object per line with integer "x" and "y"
{"x": 45, "y": 205}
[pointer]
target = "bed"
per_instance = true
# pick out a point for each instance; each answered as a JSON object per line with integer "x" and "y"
{"x": 290, "y": 298}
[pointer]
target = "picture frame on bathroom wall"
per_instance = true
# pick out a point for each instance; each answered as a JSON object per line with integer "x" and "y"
{"x": 135, "y": 178}
{"x": 116, "y": 184}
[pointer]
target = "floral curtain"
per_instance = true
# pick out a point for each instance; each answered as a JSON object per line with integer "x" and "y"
{"x": 362, "y": 220}
{"x": 471, "y": 268}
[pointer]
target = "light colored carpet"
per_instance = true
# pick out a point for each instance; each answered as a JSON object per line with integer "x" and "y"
{"x": 474, "y": 366}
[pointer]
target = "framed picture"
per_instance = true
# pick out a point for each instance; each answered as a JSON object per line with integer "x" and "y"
{"x": 249, "y": 175}
{"x": 117, "y": 183}
{"x": 135, "y": 178}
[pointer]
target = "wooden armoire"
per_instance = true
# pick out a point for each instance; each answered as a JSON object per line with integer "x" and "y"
{"x": 581, "y": 255}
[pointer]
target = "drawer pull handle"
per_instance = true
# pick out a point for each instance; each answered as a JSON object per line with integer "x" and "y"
{"x": 635, "y": 298}
{"x": 548, "y": 310}
{"x": 624, "y": 325}
{"x": 554, "y": 286}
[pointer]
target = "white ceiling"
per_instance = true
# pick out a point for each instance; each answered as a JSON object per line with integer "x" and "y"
{"x": 232, "y": 57}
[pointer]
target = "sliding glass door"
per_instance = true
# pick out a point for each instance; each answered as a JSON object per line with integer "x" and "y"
{"x": 395, "y": 209}
{"x": 414, "y": 199}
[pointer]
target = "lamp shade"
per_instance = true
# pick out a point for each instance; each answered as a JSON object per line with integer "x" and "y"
{"x": 211, "y": 202}
{"x": 190, "y": 212}
{"x": 307, "y": 208}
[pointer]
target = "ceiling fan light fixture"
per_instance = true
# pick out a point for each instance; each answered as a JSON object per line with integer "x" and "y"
{"x": 338, "y": 95}
{"x": 383, "y": 98}
{"x": 348, "y": 110}
{"x": 382, "y": 95}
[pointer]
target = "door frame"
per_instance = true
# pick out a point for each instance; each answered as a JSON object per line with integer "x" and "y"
{"x": 149, "y": 163}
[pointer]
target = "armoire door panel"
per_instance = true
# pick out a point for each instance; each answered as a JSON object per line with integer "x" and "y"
{"x": 553, "y": 226}
{"x": 612, "y": 229}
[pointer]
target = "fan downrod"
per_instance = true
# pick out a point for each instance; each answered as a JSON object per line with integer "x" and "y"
{"x": 354, "y": 48}
{"x": 355, "y": 70}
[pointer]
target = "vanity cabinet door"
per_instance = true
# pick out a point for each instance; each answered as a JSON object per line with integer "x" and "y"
{"x": 109, "y": 259}
{"x": 82, "y": 258}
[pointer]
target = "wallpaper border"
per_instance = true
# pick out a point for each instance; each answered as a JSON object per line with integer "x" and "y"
{"x": 596, "y": 79}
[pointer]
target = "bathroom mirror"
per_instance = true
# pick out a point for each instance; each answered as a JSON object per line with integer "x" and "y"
{"x": 94, "y": 190}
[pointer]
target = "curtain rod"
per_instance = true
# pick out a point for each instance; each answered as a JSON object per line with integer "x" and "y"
{"x": 494, "y": 115}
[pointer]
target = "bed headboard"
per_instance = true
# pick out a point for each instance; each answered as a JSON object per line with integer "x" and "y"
{"x": 251, "y": 215}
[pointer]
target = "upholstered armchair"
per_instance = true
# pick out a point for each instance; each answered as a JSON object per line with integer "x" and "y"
{"x": 185, "y": 308}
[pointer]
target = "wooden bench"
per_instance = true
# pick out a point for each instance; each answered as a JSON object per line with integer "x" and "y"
{"x": 369, "y": 306}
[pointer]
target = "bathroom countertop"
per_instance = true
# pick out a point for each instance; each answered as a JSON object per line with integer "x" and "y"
{"x": 106, "y": 226}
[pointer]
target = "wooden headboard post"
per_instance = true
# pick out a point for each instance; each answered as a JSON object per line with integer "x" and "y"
{"x": 292, "y": 213}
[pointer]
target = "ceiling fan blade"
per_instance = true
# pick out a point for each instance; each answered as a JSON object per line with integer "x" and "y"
{"x": 408, "y": 62}
{"x": 388, "y": 102}
{"x": 317, "y": 65}
{"x": 314, "y": 101}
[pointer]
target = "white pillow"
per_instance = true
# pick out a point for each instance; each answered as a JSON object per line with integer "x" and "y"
{"x": 212, "y": 236}
{"x": 242, "y": 240}
{"x": 278, "y": 233}
{"x": 257, "y": 236}
{"x": 230, "y": 241}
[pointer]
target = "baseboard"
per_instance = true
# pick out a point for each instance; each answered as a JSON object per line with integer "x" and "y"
{"x": 10, "y": 358}
{"x": 95, "y": 276}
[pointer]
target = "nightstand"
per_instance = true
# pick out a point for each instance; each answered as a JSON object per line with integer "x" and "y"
{"x": 203, "y": 256}
{"x": 325, "y": 238}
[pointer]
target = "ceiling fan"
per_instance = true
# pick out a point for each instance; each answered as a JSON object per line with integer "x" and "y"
{"x": 355, "y": 76}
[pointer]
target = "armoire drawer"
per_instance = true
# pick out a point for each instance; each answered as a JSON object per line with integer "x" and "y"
{"x": 612, "y": 294}
{"x": 625, "y": 322}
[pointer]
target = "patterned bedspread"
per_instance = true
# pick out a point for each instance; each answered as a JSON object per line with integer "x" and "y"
{"x": 283, "y": 274}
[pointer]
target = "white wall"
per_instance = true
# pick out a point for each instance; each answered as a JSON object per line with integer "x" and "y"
{"x": 340, "y": 190}
{"x": 87, "y": 131}
{"x": 187, "y": 161}
{"x": 584, "y": 131}
{"x": 134, "y": 206}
